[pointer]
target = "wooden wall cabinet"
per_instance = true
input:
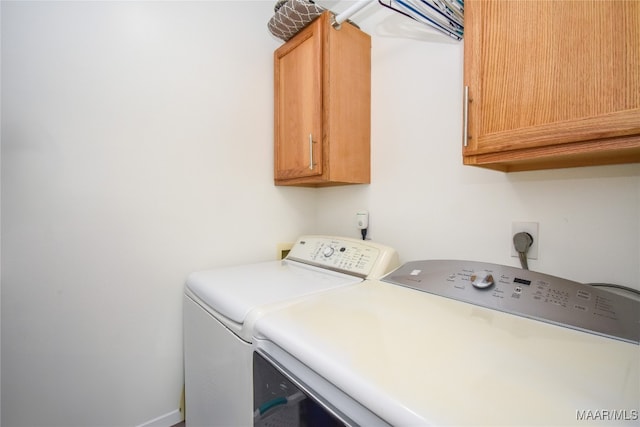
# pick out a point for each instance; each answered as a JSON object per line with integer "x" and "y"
{"x": 322, "y": 129}
{"x": 552, "y": 84}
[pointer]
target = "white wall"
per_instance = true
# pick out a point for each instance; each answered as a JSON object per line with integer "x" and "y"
{"x": 0, "y": 221}
{"x": 427, "y": 205}
{"x": 136, "y": 147}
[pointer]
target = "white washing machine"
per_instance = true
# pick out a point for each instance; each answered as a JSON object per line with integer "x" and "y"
{"x": 462, "y": 343}
{"x": 221, "y": 306}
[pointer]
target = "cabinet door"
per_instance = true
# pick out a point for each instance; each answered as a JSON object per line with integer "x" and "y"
{"x": 298, "y": 105}
{"x": 552, "y": 83}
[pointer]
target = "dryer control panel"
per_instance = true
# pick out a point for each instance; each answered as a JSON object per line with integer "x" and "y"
{"x": 525, "y": 293}
{"x": 360, "y": 258}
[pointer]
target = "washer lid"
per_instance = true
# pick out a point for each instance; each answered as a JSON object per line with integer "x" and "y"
{"x": 234, "y": 291}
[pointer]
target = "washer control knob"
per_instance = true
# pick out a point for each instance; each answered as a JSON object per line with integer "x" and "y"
{"x": 328, "y": 251}
{"x": 481, "y": 279}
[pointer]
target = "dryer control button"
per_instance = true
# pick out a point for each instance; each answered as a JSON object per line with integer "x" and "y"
{"x": 481, "y": 279}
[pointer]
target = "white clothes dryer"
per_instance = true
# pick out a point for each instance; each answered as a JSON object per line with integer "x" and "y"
{"x": 221, "y": 306}
{"x": 461, "y": 343}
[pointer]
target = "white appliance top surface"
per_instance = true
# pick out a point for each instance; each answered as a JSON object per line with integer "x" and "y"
{"x": 234, "y": 291}
{"x": 525, "y": 293}
{"x": 415, "y": 358}
{"x": 314, "y": 264}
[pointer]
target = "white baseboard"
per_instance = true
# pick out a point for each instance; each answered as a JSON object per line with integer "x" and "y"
{"x": 166, "y": 420}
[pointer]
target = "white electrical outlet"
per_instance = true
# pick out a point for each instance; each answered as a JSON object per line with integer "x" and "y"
{"x": 527, "y": 227}
{"x": 362, "y": 220}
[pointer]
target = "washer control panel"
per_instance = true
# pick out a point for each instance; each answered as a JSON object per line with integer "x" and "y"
{"x": 360, "y": 258}
{"x": 525, "y": 293}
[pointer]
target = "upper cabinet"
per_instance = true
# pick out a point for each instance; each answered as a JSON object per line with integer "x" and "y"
{"x": 552, "y": 84}
{"x": 322, "y": 128}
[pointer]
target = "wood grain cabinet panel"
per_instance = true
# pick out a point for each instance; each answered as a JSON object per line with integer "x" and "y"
{"x": 322, "y": 109}
{"x": 551, "y": 83}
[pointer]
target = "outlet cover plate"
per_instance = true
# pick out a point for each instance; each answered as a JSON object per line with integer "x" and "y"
{"x": 282, "y": 250}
